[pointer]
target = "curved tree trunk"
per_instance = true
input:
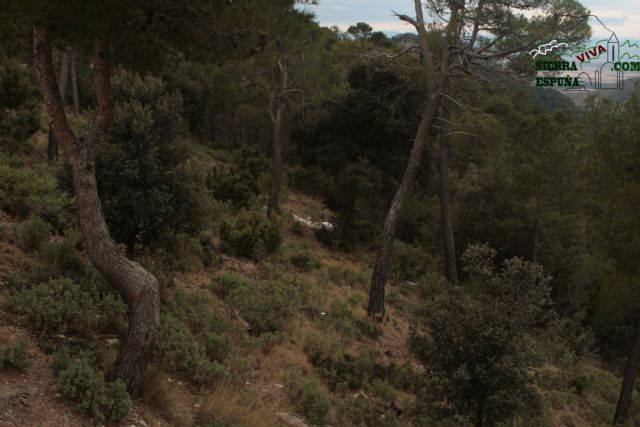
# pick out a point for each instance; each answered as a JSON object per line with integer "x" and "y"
{"x": 383, "y": 256}
{"x": 446, "y": 215}
{"x": 138, "y": 287}
{"x": 630, "y": 371}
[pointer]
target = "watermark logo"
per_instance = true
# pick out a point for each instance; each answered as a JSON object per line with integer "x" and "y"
{"x": 600, "y": 66}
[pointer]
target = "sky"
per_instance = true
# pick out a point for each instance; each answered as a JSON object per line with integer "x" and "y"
{"x": 621, "y": 16}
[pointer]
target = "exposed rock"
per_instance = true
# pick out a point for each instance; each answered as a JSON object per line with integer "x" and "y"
{"x": 319, "y": 225}
{"x": 292, "y": 419}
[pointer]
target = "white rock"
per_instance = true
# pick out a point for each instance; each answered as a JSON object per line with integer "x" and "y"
{"x": 292, "y": 419}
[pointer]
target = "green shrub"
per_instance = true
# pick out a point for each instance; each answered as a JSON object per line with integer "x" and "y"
{"x": 80, "y": 381}
{"x": 250, "y": 235}
{"x": 19, "y": 104}
{"x": 491, "y": 317}
{"x": 312, "y": 402}
{"x": 178, "y": 349}
{"x": 235, "y": 186}
{"x": 15, "y": 356}
{"x": 359, "y": 411}
{"x": 34, "y": 232}
{"x": 61, "y": 305}
{"x": 196, "y": 341}
{"x": 25, "y": 191}
{"x": 62, "y": 259}
{"x": 267, "y": 306}
{"x": 57, "y": 306}
{"x": 223, "y": 283}
{"x": 382, "y": 390}
{"x": 297, "y": 228}
{"x": 409, "y": 262}
{"x": 304, "y": 262}
{"x": 343, "y": 320}
{"x": 309, "y": 180}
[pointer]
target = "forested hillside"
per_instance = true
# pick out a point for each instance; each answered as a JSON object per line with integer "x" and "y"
{"x": 222, "y": 214}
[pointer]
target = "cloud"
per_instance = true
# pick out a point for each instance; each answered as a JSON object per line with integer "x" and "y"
{"x": 622, "y": 16}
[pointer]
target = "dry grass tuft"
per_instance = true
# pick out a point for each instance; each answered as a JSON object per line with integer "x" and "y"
{"x": 167, "y": 400}
{"x": 233, "y": 406}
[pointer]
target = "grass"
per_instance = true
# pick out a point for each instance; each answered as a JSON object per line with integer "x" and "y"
{"x": 234, "y": 407}
{"x": 167, "y": 400}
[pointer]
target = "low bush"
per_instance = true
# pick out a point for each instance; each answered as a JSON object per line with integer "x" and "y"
{"x": 197, "y": 341}
{"x": 14, "y": 355}
{"x": 297, "y": 228}
{"x": 235, "y": 186}
{"x": 61, "y": 293}
{"x": 19, "y": 104}
{"x": 34, "y": 232}
{"x": 304, "y": 262}
{"x": 80, "y": 381}
{"x": 312, "y": 402}
{"x": 267, "y": 306}
{"x": 251, "y": 234}
{"x": 343, "y": 276}
{"x": 341, "y": 318}
{"x": 409, "y": 262}
{"x": 382, "y": 390}
{"x": 362, "y": 411}
{"x": 222, "y": 284}
{"x": 25, "y": 191}
{"x": 61, "y": 305}
{"x": 178, "y": 349}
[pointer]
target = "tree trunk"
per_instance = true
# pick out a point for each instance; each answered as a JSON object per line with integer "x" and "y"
{"x": 480, "y": 413}
{"x": 74, "y": 83}
{"x": 630, "y": 371}
{"x": 446, "y": 215}
{"x": 64, "y": 74}
{"x": 536, "y": 232}
{"x": 383, "y": 256}
{"x": 435, "y": 87}
{"x": 52, "y": 146}
{"x": 138, "y": 287}
{"x": 276, "y": 156}
{"x": 277, "y": 97}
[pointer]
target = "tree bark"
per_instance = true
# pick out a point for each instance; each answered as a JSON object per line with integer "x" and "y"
{"x": 446, "y": 215}
{"x": 383, "y": 257}
{"x": 64, "y": 74}
{"x": 630, "y": 371}
{"x": 74, "y": 83}
{"x": 277, "y": 105}
{"x": 536, "y": 233}
{"x": 138, "y": 287}
{"x": 435, "y": 87}
{"x": 52, "y": 146}
{"x": 276, "y": 156}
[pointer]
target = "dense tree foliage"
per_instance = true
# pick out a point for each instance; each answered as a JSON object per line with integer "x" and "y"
{"x": 154, "y": 181}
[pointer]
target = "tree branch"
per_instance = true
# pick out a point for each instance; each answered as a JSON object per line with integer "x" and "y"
{"x": 49, "y": 87}
{"x": 102, "y": 81}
